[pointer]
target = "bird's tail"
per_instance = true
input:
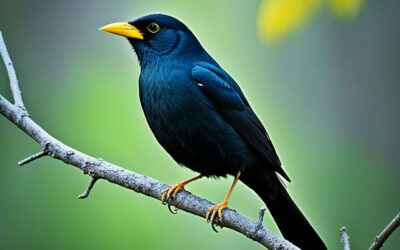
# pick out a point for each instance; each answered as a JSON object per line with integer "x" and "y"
{"x": 291, "y": 222}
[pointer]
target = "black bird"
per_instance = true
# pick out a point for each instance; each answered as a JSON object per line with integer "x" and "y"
{"x": 200, "y": 116}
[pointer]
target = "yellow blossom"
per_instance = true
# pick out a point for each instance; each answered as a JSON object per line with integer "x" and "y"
{"x": 277, "y": 18}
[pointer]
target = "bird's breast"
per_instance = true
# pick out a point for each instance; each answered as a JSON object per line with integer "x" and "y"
{"x": 168, "y": 94}
{"x": 172, "y": 104}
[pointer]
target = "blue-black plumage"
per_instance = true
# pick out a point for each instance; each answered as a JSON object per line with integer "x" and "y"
{"x": 200, "y": 116}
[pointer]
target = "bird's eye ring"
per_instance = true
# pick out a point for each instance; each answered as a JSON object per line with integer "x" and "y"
{"x": 153, "y": 28}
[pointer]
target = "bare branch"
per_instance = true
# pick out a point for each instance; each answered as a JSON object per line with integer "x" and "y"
{"x": 11, "y": 74}
{"x": 344, "y": 237}
{"x": 385, "y": 234}
{"x": 32, "y": 158}
{"x": 86, "y": 193}
{"x": 125, "y": 178}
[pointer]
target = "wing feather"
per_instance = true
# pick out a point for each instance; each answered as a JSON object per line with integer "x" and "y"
{"x": 231, "y": 103}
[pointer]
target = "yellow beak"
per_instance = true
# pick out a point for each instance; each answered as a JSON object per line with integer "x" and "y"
{"x": 123, "y": 29}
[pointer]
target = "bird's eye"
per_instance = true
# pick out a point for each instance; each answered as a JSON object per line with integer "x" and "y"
{"x": 153, "y": 28}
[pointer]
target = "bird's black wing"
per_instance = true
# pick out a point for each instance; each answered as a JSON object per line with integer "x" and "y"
{"x": 226, "y": 95}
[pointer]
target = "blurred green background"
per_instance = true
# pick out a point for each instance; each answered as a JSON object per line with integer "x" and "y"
{"x": 328, "y": 92}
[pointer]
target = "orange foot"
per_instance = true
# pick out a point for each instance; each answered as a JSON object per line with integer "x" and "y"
{"x": 171, "y": 192}
{"x": 217, "y": 209}
{"x": 213, "y": 211}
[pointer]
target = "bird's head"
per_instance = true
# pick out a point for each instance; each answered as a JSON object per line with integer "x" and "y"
{"x": 157, "y": 35}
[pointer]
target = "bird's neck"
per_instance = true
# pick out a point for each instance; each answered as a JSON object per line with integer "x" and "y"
{"x": 186, "y": 50}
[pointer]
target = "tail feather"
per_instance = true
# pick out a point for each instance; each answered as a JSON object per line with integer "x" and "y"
{"x": 291, "y": 222}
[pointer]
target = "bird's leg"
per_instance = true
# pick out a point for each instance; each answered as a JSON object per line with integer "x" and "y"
{"x": 217, "y": 209}
{"x": 173, "y": 190}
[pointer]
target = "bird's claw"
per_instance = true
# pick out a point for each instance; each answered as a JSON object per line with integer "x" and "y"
{"x": 214, "y": 211}
{"x": 173, "y": 210}
{"x": 170, "y": 193}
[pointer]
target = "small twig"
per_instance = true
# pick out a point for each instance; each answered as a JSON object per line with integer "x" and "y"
{"x": 385, "y": 234}
{"x": 344, "y": 237}
{"x": 16, "y": 92}
{"x": 86, "y": 193}
{"x": 261, "y": 213}
{"x": 32, "y": 158}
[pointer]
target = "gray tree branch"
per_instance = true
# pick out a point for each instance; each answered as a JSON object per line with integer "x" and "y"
{"x": 100, "y": 169}
{"x": 389, "y": 229}
{"x": 16, "y": 92}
